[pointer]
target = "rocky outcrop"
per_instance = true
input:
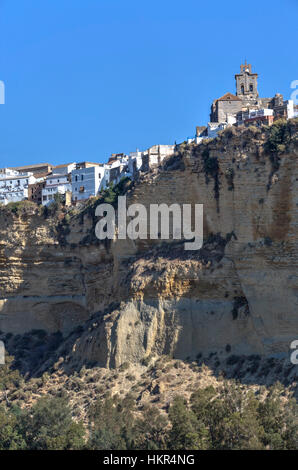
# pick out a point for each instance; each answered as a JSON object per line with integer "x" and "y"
{"x": 139, "y": 298}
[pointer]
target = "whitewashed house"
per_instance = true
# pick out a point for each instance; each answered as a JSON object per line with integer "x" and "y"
{"x": 55, "y": 184}
{"x": 59, "y": 182}
{"x": 64, "y": 169}
{"x": 118, "y": 168}
{"x": 143, "y": 161}
{"x": 87, "y": 182}
{"x": 14, "y": 185}
{"x": 135, "y": 163}
{"x": 158, "y": 153}
{"x": 290, "y": 109}
{"x": 213, "y": 128}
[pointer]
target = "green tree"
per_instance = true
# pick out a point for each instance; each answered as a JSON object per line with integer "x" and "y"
{"x": 9, "y": 378}
{"x": 187, "y": 431}
{"x": 112, "y": 425}
{"x": 10, "y": 433}
{"x": 50, "y": 426}
{"x": 151, "y": 430}
{"x": 279, "y": 418}
{"x": 230, "y": 415}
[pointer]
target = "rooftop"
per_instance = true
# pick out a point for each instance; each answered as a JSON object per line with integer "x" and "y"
{"x": 228, "y": 97}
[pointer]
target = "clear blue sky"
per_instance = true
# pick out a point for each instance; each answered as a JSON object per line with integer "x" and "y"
{"x": 85, "y": 78}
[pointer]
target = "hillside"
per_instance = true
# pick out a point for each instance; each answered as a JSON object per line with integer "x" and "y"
{"x": 88, "y": 318}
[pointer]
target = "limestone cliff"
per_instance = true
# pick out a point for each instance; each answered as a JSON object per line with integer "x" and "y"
{"x": 135, "y": 299}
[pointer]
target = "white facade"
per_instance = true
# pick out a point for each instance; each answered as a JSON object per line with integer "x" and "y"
{"x": 64, "y": 169}
{"x": 14, "y": 185}
{"x": 214, "y": 127}
{"x": 157, "y": 153}
{"x": 290, "y": 109}
{"x": 154, "y": 155}
{"x": 55, "y": 184}
{"x": 255, "y": 113}
{"x": 198, "y": 140}
{"x": 231, "y": 119}
{"x": 117, "y": 170}
{"x": 87, "y": 182}
{"x": 135, "y": 161}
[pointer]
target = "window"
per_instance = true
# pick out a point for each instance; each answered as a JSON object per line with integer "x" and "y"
{"x": 242, "y": 89}
{"x": 82, "y": 177}
{"x": 76, "y": 178}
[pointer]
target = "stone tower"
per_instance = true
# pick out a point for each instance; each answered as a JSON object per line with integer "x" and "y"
{"x": 246, "y": 83}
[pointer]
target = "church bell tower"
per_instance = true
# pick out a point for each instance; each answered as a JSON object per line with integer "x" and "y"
{"x": 246, "y": 83}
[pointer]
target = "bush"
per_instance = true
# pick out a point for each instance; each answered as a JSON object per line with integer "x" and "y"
{"x": 124, "y": 366}
{"x": 278, "y": 138}
{"x": 20, "y": 207}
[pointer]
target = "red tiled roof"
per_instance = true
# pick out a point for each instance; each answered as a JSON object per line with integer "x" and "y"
{"x": 63, "y": 165}
{"x": 228, "y": 97}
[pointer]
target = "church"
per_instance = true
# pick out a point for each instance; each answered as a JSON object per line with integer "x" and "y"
{"x": 231, "y": 107}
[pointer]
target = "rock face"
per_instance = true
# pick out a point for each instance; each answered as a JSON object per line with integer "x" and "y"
{"x": 139, "y": 298}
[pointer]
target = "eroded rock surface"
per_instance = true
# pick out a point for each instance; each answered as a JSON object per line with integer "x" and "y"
{"x": 238, "y": 293}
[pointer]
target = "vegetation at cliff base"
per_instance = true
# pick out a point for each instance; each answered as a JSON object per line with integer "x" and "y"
{"x": 228, "y": 417}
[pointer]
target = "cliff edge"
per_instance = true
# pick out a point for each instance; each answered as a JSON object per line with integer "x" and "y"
{"x": 135, "y": 299}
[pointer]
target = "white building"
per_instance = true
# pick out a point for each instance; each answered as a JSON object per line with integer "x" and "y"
{"x": 290, "y": 109}
{"x": 55, "y": 184}
{"x": 87, "y": 182}
{"x": 143, "y": 161}
{"x": 135, "y": 162}
{"x": 64, "y": 169}
{"x": 14, "y": 185}
{"x": 157, "y": 153}
{"x": 118, "y": 169}
{"x": 255, "y": 113}
{"x": 213, "y": 128}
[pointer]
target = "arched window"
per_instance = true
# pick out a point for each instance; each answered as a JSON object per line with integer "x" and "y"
{"x": 242, "y": 89}
{"x": 251, "y": 88}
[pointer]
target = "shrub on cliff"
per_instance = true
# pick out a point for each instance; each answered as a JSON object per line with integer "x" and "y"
{"x": 111, "y": 193}
{"x": 278, "y": 140}
{"x": 20, "y": 207}
{"x": 10, "y": 379}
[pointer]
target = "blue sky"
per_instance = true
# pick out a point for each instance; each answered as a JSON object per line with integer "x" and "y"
{"x": 85, "y": 78}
